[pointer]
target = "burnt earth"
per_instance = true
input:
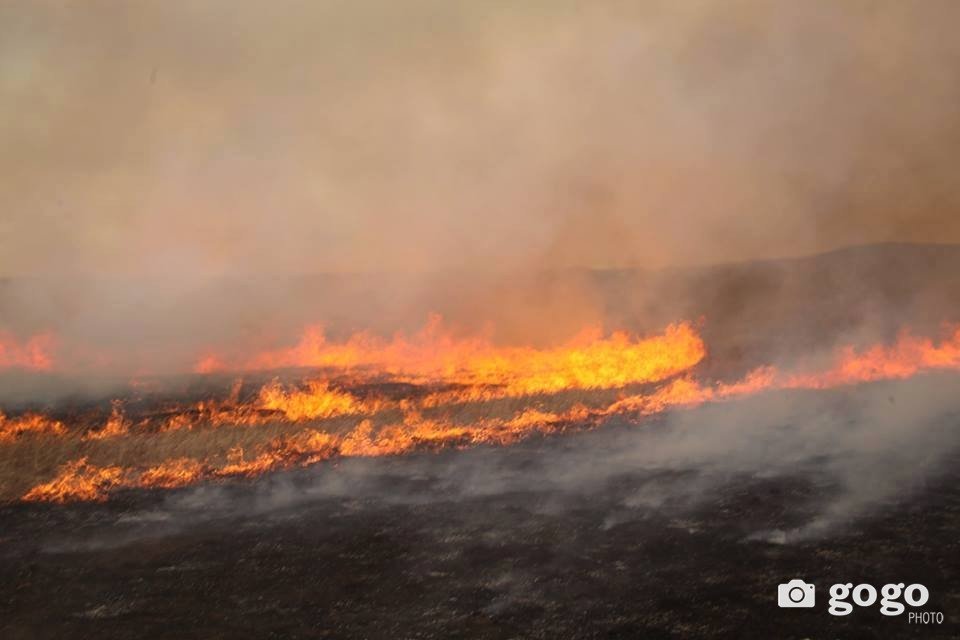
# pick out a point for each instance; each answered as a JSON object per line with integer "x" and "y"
{"x": 474, "y": 544}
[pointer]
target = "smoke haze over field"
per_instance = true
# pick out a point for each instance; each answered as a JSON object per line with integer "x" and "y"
{"x": 186, "y": 140}
{"x": 476, "y": 318}
{"x": 177, "y": 175}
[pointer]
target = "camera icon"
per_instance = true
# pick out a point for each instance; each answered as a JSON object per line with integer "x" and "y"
{"x": 795, "y": 593}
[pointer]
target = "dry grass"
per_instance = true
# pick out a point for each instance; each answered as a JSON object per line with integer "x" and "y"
{"x": 34, "y": 459}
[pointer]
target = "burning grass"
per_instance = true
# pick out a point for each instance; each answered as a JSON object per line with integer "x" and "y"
{"x": 35, "y": 467}
{"x": 276, "y": 425}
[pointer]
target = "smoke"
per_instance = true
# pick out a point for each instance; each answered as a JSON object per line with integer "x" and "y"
{"x": 177, "y": 175}
{"x": 189, "y": 143}
{"x": 861, "y": 449}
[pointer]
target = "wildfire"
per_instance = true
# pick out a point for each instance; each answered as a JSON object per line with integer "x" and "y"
{"x": 518, "y": 378}
{"x": 318, "y": 400}
{"x": 906, "y": 357}
{"x": 11, "y": 428}
{"x": 77, "y": 480}
{"x": 172, "y": 473}
{"x": 115, "y": 426}
{"x": 588, "y": 361}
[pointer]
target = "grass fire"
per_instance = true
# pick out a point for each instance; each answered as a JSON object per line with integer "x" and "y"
{"x": 437, "y": 320}
{"x": 455, "y": 394}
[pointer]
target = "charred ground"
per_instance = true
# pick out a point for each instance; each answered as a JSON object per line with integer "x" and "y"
{"x": 439, "y": 546}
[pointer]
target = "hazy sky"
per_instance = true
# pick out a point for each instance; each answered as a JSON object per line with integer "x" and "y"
{"x": 179, "y": 137}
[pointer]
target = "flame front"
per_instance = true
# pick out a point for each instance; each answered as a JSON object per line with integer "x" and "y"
{"x": 588, "y": 361}
{"x": 473, "y": 394}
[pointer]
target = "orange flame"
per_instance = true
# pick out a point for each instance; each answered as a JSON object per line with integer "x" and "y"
{"x": 11, "y": 428}
{"x": 172, "y": 473}
{"x": 486, "y": 372}
{"x": 318, "y": 400}
{"x": 588, "y": 361}
{"x": 116, "y": 425}
{"x": 77, "y": 480}
{"x": 35, "y": 354}
{"x": 906, "y": 357}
